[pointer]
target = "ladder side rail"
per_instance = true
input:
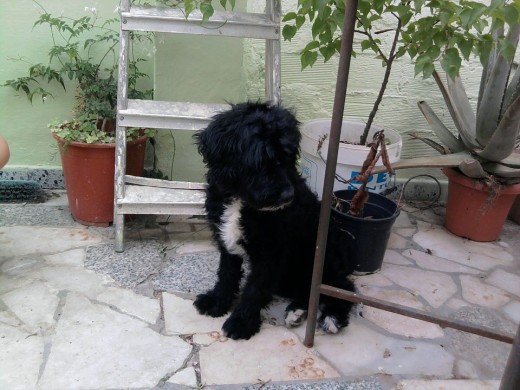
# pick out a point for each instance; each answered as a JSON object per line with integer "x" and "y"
{"x": 273, "y": 55}
{"x": 169, "y": 20}
{"x": 120, "y": 155}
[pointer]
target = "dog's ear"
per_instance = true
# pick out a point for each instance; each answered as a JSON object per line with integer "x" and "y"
{"x": 201, "y": 140}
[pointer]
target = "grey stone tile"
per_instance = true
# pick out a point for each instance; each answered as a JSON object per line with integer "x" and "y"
{"x": 129, "y": 268}
{"x": 488, "y": 356}
{"x": 35, "y": 215}
{"x": 192, "y": 273}
{"x": 338, "y": 384}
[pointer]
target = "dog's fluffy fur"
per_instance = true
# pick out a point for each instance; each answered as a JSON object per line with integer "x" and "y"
{"x": 261, "y": 211}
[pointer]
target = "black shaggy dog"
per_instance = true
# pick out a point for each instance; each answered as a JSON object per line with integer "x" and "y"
{"x": 261, "y": 211}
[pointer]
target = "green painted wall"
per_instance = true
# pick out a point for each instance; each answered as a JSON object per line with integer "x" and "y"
{"x": 204, "y": 69}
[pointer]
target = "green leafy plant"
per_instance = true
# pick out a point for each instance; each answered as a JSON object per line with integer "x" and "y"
{"x": 428, "y": 31}
{"x": 83, "y": 50}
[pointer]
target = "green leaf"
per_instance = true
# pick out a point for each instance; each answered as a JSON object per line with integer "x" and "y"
{"x": 308, "y": 58}
{"x": 289, "y": 16}
{"x": 327, "y": 52}
{"x": 207, "y": 11}
{"x": 288, "y": 32}
{"x": 451, "y": 62}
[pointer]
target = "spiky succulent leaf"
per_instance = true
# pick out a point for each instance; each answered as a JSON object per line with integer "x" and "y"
{"x": 467, "y": 133}
{"x": 488, "y": 114}
{"x": 435, "y": 145}
{"x": 442, "y": 132}
{"x": 513, "y": 90}
{"x": 513, "y": 160}
{"x": 460, "y": 100}
{"x": 472, "y": 168}
{"x": 502, "y": 142}
{"x": 488, "y": 65}
{"x": 441, "y": 161}
{"x": 502, "y": 171}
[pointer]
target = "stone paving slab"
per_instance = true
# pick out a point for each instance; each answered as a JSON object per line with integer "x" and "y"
{"x": 133, "y": 311}
{"x": 120, "y": 349}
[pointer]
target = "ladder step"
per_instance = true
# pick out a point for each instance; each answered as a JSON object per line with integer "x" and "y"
{"x": 222, "y": 23}
{"x": 157, "y": 200}
{"x": 146, "y": 181}
{"x": 168, "y": 115}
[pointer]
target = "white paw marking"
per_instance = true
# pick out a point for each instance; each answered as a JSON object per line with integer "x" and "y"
{"x": 295, "y": 317}
{"x": 329, "y": 325}
{"x": 231, "y": 228}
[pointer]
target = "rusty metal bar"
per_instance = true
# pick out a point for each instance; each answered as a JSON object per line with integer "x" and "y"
{"x": 330, "y": 170}
{"x": 413, "y": 313}
{"x": 511, "y": 376}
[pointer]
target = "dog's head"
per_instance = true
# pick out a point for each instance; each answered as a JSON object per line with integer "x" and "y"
{"x": 251, "y": 152}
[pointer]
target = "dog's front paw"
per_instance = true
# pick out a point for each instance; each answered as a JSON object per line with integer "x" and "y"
{"x": 238, "y": 327}
{"x": 332, "y": 324}
{"x": 212, "y": 304}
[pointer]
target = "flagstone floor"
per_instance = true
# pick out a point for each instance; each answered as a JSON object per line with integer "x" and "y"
{"x": 76, "y": 315}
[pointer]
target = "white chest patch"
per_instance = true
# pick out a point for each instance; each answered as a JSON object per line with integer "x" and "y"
{"x": 231, "y": 229}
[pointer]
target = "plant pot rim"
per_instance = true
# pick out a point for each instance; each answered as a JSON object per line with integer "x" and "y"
{"x": 80, "y": 144}
{"x": 373, "y": 220}
{"x": 456, "y": 176}
{"x": 373, "y": 128}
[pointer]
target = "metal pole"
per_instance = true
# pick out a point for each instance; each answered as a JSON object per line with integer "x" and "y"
{"x": 511, "y": 378}
{"x": 330, "y": 170}
{"x": 444, "y": 322}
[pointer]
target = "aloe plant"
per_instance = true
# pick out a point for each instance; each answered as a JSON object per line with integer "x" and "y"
{"x": 487, "y": 137}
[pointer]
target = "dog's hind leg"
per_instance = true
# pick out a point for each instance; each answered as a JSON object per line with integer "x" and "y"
{"x": 334, "y": 312}
{"x": 218, "y": 301}
{"x": 295, "y": 314}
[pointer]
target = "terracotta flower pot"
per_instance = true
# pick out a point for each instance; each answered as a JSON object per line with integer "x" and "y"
{"x": 88, "y": 170}
{"x": 514, "y": 213}
{"x": 474, "y": 210}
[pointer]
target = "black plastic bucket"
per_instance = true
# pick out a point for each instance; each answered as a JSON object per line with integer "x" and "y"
{"x": 365, "y": 238}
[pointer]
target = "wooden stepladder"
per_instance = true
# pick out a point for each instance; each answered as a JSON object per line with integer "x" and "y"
{"x": 137, "y": 195}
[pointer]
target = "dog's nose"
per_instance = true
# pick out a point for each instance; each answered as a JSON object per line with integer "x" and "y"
{"x": 287, "y": 195}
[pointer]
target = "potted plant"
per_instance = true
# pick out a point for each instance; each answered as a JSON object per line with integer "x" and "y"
{"x": 365, "y": 219}
{"x": 423, "y": 30}
{"x": 83, "y": 50}
{"x": 482, "y": 169}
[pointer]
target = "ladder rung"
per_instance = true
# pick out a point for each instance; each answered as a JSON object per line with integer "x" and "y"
{"x": 156, "y": 200}
{"x": 222, "y": 23}
{"x": 146, "y": 181}
{"x": 168, "y": 115}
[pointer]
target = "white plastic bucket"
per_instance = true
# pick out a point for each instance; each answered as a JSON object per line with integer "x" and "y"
{"x": 350, "y": 155}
